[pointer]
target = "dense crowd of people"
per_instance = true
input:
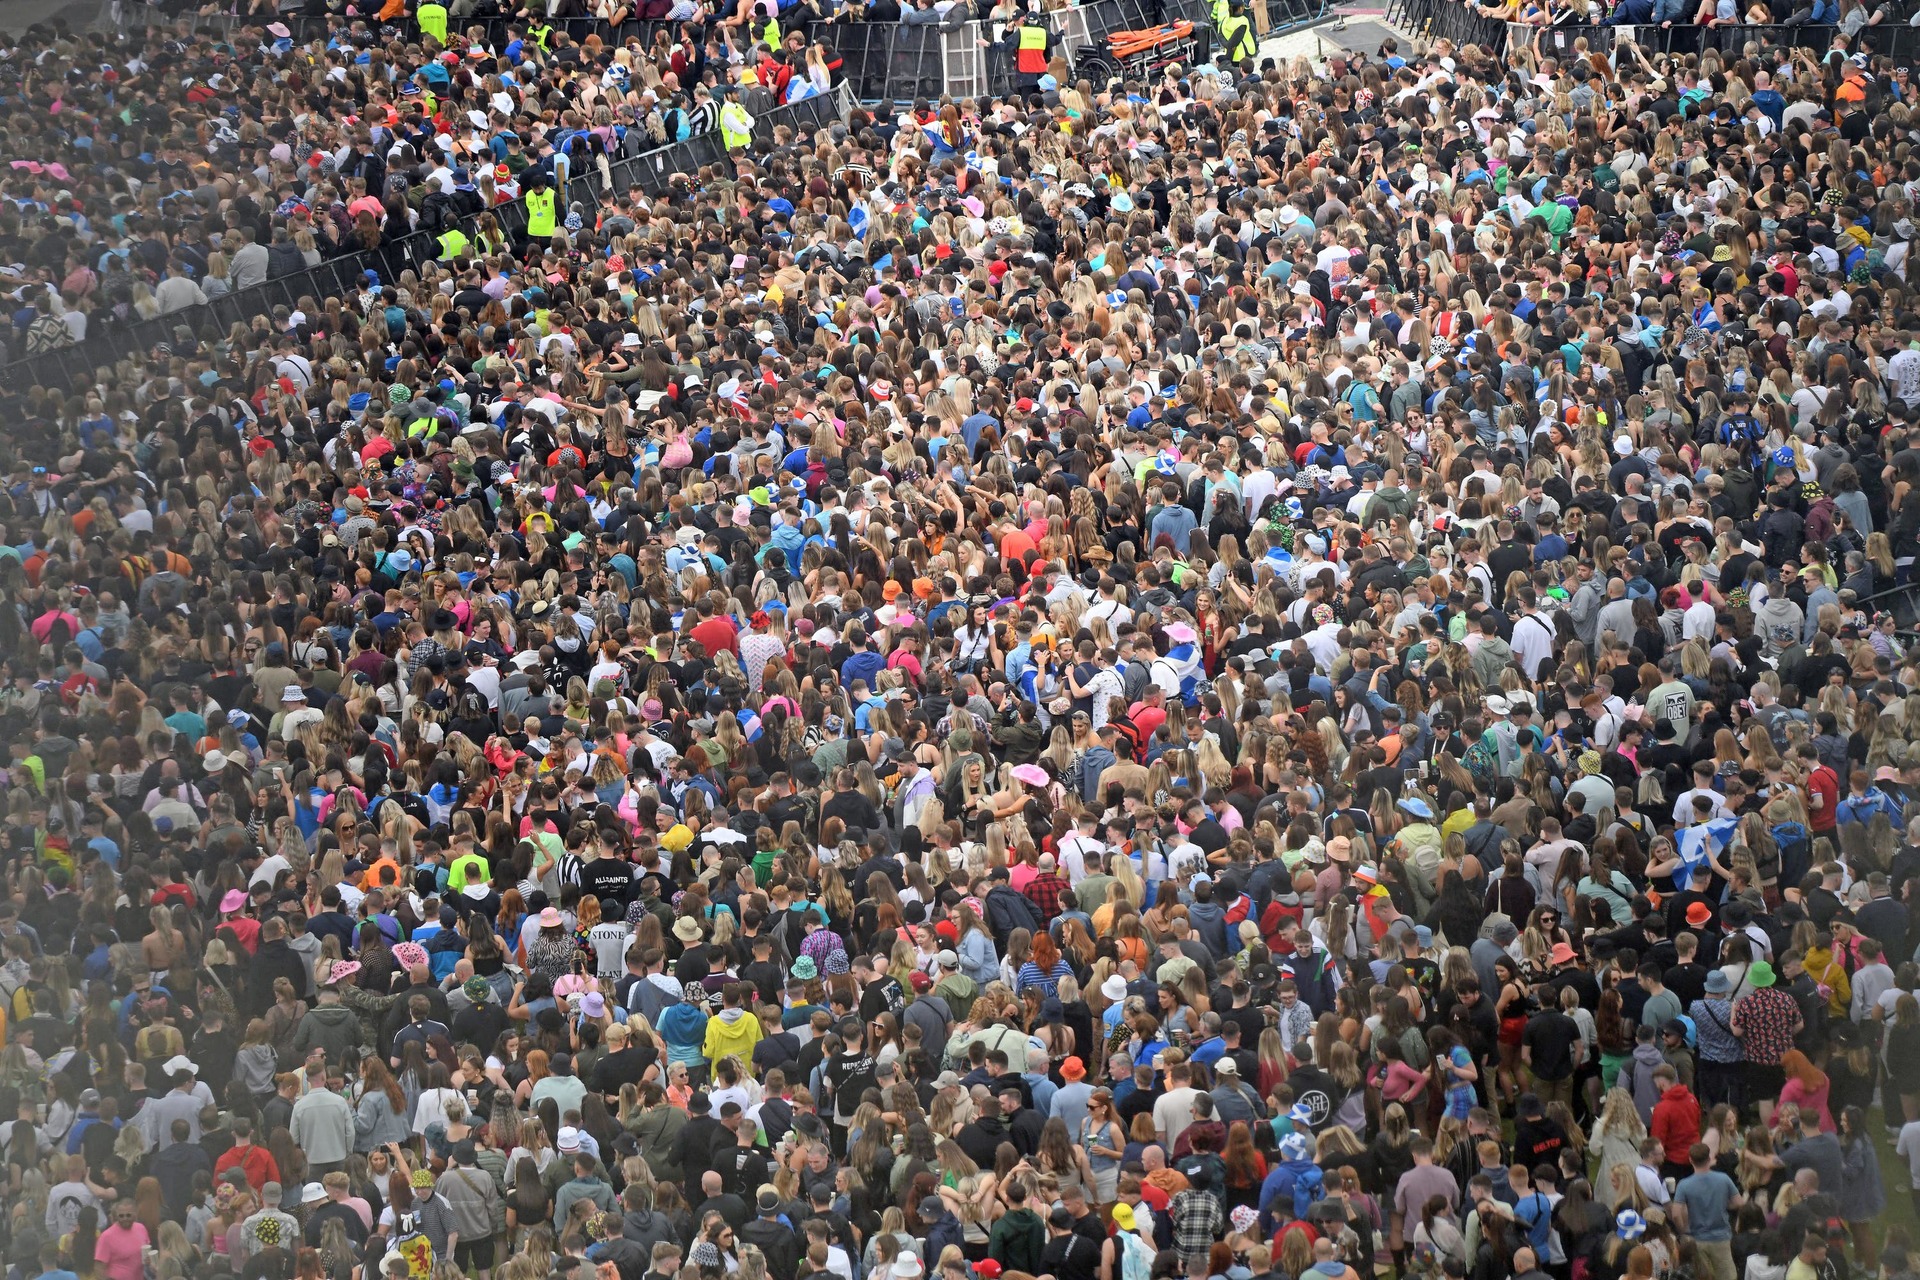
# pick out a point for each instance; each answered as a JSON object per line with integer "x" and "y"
{"x": 1280, "y": 670}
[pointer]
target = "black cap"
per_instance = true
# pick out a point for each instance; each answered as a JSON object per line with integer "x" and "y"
{"x": 769, "y": 1203}
{"x": 699, "y": 1104}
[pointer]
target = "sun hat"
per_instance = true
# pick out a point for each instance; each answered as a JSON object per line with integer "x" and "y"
{"x": 1699, "y": 914}
{"x": 410, "y": 955}
{"x": 687, "y": 929}
{"x": 1760, "y": 974}
{"x": 343, "y": 969}
{"x": 805, "y": 970}
{"x": 1718, "y": 983}
{"x": 1031, "y": 774}
{"x": 550, "y": 918}
{"x": 1562, "y": 953}
{"x": 1114, "y": 988}
{"x": 1180, "y": 633}
{"x": 1629, "y": 1225}
{"x": 231, "y": 901}
{"x": 214, "y": 761}
{"x": 1073, "y": 1069}
{"x": 476, "y": 988}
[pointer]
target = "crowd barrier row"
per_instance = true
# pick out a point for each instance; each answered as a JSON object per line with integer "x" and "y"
{"x": 70, "y": 368}
{"x": 1463, "y": 23}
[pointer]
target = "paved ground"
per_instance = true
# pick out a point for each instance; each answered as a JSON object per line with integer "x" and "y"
{"x": 18, "y": 15}
{"x": 1360, "y": 28}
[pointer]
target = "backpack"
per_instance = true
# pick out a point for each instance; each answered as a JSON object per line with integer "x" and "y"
{"x": 1483, "y": 762}
{"x": 1007, "y": 911}
{"x": 1796, "y": 849}
{"x": 1136, "y": 1256}
{"x": 1308, "y": 1187}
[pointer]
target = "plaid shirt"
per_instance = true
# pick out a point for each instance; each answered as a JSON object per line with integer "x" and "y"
{"x": 1197, "y": 1222}
{"x": 1043, "y": 891}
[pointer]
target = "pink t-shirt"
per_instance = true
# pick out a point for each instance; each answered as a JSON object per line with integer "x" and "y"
{"x": 119, "y": 1251}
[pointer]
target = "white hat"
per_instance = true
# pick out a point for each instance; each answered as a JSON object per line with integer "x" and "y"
{"x": 1496, "y": 705}
{"x": 214, "y": 761}
{"x": 568, "y": 1139}
{"x": 313, "y": 1194}
{"x": 1114, "y": 988}
{"x": 180, "y": 1062}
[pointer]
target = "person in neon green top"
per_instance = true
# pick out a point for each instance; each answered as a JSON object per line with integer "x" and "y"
{"x": 432, "y": 17}
{"x": 736, "y": 126}
{"x": 468, "y": 868}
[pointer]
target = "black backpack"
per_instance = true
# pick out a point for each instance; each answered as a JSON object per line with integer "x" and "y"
{"x": 1007, "y": 911}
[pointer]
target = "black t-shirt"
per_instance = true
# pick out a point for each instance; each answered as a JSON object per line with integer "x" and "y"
{"x": 849, "y": 1074}
{"x": 882, "y": 996}
{"x": 624, "y": 1066}
{"x": 1549, "y": 1038}
{"x": 609, "y": 880}
{"x": 1071, "y": 1257}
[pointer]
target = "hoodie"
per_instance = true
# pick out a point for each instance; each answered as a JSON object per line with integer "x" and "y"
{"x": 332, "y": 1027}
{"x": 1778, "y": 623}
{"x": 684, "y": 1028}
{"x": 1676, "y": 1123}
{"x": 1646, "y": 1060}
{"x": 647, "y": 1228}
{"x": 959, "y": 991}
{"x": 1209, "y": 919}
{"x": 735, "y": 1032}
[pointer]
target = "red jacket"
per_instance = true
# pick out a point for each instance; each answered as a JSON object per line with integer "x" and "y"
{"x": 1676, "y": 1122}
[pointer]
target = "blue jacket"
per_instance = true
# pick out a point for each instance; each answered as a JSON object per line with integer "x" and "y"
{"x": 684, "y": 1028}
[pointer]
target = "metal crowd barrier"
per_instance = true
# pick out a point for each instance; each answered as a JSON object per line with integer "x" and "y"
{"x": 68, "y": 368}
{"x": 1452, "y": 20}
{"x": 1896, "y": 40}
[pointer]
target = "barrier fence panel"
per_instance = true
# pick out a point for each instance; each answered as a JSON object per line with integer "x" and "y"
{"x": 1898, "y": 41}
{"x": 1449, "y": 20}
{"x": 68, "y": 368}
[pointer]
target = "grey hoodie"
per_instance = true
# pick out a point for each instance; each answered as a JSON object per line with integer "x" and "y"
{"x": 332, "y": 1027}
{"x": 1646, "y": 1060}
{"x": 1778, "y": 623}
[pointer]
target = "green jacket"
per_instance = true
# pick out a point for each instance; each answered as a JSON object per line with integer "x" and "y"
{"x": 1017, "y": 1241}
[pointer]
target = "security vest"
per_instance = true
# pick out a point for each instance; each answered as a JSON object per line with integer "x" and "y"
{"x": 1237, "y": 34}
{"x": 453, "y": 243}
{"x": 771, "y": 33}
{"x": 1221, "y": 9}
{"x": 1033, "y": 50}
{"x": 432, "y": 18}
{"x": 735, "y": 130}
{"x": 540, "y": 213}
{"x": 543, "y": 36}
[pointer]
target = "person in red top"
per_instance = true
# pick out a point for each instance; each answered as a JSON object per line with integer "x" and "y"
{"x": 1150, "y": 712}
{"x": 715, "y": 631}
{"x": 1823, "y": 793}
{"x": 1016, "y": 544}
{"x": 255, "y": 1162}
{"x": 1676, "y": 1122}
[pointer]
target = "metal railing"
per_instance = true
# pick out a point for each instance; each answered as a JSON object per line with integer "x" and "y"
{"x": 1898, "y": 41}
{"x": 69, "y": 368}
{"x": 1453, "y": 20}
